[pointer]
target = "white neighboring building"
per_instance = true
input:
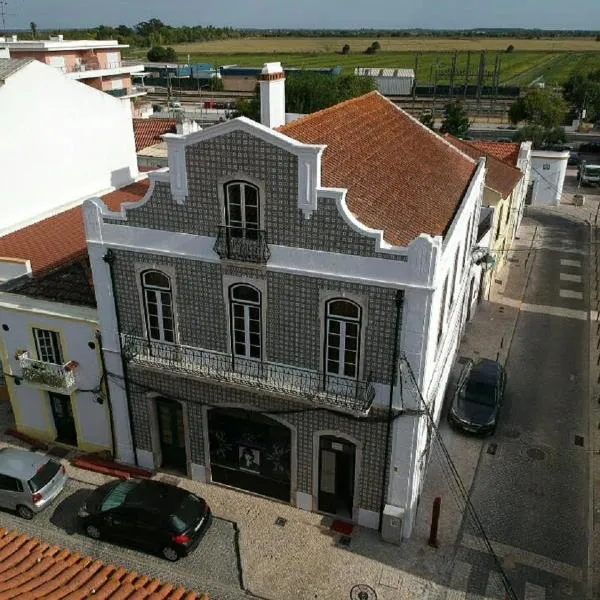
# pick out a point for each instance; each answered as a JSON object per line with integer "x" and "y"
{"x": 334, "y": 244}
{"x": 62, "y": 142}
{"x": 390, "y": 82}
{"x": 548, "y": 171}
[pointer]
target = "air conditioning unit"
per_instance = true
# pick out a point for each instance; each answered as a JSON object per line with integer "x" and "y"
{"x": 392, "y": 524}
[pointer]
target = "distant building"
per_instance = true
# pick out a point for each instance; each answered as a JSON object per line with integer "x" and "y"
{"x": 244, "y": 79}
{"x": 548, "y": 170}
{"x": 96, "y": 63}
{"x": 390, "y": 82}
{"x": 63, "y": 142}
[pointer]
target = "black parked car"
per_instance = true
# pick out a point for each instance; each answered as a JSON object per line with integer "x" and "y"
{"x": 149, "y": 515}
{"x": 476, "y": 402}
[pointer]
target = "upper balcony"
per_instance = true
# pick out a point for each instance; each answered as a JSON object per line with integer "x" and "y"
{"x": 93, "y": 68}
{"x": 242, "y": 243}
{"x": 334, "y": 392}
{"x": 50, "y": 376}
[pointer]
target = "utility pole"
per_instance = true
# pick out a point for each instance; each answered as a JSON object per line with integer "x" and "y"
{"x": 3, "y": 14}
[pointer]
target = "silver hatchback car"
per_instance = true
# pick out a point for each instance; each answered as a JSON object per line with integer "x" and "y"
{"x": 29, "y": 481}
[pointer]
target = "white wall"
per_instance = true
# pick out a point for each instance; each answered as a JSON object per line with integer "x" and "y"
{"x": 61, "y": 141}
{"x": 77, "y": 326}
{"x": 548, "y": 170}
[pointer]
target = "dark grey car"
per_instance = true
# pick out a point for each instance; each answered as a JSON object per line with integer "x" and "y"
{"x": 29, "y": 481}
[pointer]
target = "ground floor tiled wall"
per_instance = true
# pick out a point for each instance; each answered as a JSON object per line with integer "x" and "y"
{"x": 370, "y": 431}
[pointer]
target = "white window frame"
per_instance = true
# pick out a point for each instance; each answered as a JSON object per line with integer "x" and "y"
{"x": 343, "y": 322}
{"x": 158, "y": 291}
{"x": 242, "y": 225}
{"x": 246, "y": 306}
{"x": 48, "y": 346}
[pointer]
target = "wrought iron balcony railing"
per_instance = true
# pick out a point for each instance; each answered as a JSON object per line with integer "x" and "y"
{"x": 242, "y": 243}
{"x": 336, "y": 392}
{"x": 48, "y": 375}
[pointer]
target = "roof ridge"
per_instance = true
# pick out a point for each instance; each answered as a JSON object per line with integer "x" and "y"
{"x": 429, "y": 130}
{"x": 339, "y": 105}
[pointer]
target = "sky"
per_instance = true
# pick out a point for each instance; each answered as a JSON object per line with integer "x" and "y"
{"x": 310, "y": 14}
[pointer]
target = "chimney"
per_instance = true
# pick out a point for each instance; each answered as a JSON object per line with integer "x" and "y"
{"x": 185, "y": 126}
{"x": 14, "y": 38}
{"x": 272, "y": 95}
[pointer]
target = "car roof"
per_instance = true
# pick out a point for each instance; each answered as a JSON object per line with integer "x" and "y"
{"x": 21, "y": 464}
{"x": 485, "y": 370}
{"x": 156, "y": 495}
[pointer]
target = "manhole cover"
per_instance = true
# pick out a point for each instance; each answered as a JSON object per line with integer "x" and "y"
{"x": 512, "y": 433}
{"x": 362, "y": 592}
{"x": 280, "y": 521}
{"x": 536, "y": 454}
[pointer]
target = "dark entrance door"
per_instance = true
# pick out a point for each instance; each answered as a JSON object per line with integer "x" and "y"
{"x": 470, "y": 300}
{"x": 171, "y": 433}
{"x": 62, "y": 411}
{"x": 251, "y": 452}
{"x": 337, "y": 459}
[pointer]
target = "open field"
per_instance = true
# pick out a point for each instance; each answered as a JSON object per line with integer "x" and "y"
{"x": 291, "y": 45}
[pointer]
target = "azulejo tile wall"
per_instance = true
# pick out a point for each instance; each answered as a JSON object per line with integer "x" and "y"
{"x": 370, "y": 431}
{"x": 238, "y": 153}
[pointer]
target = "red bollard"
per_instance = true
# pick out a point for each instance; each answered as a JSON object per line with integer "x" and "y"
{"x": 435, "y": 518}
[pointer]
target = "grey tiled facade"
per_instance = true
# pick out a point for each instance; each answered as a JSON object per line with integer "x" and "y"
{"x": 370, "y": 431}
{"x": 292, "y": 306}
{"x": 211, "y": 162}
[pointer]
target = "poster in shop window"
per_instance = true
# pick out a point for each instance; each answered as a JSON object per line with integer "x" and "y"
{"x": 249, "y": 459}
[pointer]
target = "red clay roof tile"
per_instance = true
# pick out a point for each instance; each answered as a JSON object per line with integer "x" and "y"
{"x": 507, "y": 152}
{"x": 147, "y": 132}
{"x": 59, "y": 239}
{"x": 31, "y": 567}
{"x": 500, "y": 176}
{"x": 401, "y": 177}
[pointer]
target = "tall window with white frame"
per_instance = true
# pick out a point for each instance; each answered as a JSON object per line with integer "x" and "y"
{"x": 47, "y": 345}
{"x": 246, "y": 330}
{"x": 342, "y": 338}
{"x": 158, "y": 306}
{"x": 242, "y": 209}
{"x": 442, "y": 311}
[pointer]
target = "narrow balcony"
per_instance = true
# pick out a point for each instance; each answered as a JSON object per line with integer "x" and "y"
{"x": 242, "y": 243}
{"x": 334, "y": 392}
{"x": 59, "y": 378}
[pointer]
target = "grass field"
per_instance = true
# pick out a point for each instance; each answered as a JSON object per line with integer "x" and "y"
{"x": 554, "y": 59}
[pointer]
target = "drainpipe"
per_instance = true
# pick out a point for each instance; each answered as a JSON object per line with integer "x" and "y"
{"x": 109, "y": 259}
{"x": 108, "y": 400}
{"x": 399, "y": 305}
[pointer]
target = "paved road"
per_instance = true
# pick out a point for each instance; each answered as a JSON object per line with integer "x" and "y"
{"x": 212, "y": 568}
{"x": 531, "y": 494}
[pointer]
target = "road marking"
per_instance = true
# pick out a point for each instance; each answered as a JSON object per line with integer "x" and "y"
{"x": 495, "y": 587}
{"x": 569, "y": 277}
{"x": 524, "y": 557}
{"x": 459, "y": 581}
{"x": 571, "y": 294}
{"x": 555, "y": 311}
{"x": 534, "y": 592}
{"x": 566, "y": 262}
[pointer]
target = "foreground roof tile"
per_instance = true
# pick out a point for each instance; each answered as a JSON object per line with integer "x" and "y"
{"x": 401, "y": 177}
{"x": 30, "y": 568}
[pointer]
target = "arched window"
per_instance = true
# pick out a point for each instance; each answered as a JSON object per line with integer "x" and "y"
{"x": 342, "y": 341}
{"x": 158, "y": 304}
{"x": 246, "y": 330}
{"x": 242, "y": 209}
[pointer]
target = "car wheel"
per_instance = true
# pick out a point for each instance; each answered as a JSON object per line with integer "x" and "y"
{"x": 25, "y": 512}
{"x": 170, "y": 553}
{"x": 92, "y": 531}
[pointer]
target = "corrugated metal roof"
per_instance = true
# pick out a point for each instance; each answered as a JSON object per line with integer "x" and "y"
{"x": 9, "y": 66}
{"x": 384, "y": 72}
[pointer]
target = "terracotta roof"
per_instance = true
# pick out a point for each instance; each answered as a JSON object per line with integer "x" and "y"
{"x": 401, "y": 177}
{"x": 30, "y": 568}
{"x": 60, "y": 239}
{"x": 500, "y": 176}
{"x": 507, "y": 152}
{"x": 148, "y": 131}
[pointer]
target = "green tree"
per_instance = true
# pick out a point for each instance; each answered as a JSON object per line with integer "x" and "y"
{"x": 510, "y": 48}
{"x": 539, "y": 106}
{"x": 540, "y": 136}
{"x": 376, "y": 46}
{"x": 582, "y": 91}
{"x": 33, "y": 27}
{"x": 162, "y": 54}
{"x": 456, "y": 119}
{"x": 427, "y": 119}
{"x": 346, "y": 49}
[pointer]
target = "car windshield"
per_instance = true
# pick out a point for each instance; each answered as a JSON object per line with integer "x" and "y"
{"x": 117, "y": 495}
{"x": 186, "y": 514}
{"x": 479, "y": 392}
{"x": 592, "y": 170}
{"x": 43, "y": 476}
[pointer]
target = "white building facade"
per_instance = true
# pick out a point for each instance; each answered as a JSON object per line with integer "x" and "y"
{"x": 548, "y": 171}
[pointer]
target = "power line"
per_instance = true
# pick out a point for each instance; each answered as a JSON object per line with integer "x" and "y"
{"x": 458, "y": 481}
